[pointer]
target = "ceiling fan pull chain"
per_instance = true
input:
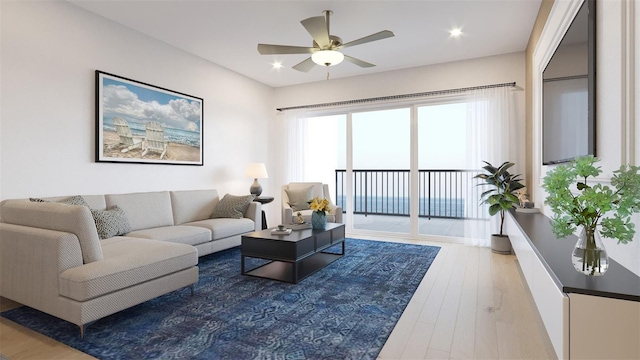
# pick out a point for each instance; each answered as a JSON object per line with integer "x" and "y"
{"x": 327, "y": 74}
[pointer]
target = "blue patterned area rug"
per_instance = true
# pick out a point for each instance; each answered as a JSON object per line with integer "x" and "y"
{"x": 346, "y": 310}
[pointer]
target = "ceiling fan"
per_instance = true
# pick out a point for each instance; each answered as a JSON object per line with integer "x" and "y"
{"x": 325, "y": 47}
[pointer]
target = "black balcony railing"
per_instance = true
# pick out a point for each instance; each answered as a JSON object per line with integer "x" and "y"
{"x": 451, "y": 194}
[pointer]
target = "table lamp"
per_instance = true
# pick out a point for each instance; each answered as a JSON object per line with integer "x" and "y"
{"x": 256, "y": 171}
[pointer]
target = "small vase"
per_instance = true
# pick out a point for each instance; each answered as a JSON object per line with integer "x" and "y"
{"x": 318, "y": 220}
{"x": 589, "y": 255}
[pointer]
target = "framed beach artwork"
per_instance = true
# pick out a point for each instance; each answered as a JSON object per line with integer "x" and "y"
{"x": 146, "y": 124}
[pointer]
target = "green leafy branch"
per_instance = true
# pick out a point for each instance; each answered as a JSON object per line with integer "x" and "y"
{"x": 589, "y": 206}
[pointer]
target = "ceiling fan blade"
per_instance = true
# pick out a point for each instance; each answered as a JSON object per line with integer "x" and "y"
{"x": 317, "y": 28}
{"x": 373, "y": 37}
{"x": 268, "y": 49}
{"x": 305, "y": 65}
{"x": 358, "y": 62}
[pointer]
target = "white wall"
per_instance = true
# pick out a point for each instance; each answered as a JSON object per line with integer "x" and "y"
{"x": 453, "y": 75}
{"x": 476, "y": 72}
{"x": 50, "y": 51}
{"x": 617, "y": 114}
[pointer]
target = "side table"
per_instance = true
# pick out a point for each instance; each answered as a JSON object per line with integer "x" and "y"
{"x": 264, "y": 200}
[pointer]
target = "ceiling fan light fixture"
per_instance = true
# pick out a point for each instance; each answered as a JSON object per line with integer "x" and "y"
{"x": 327, "y": 57}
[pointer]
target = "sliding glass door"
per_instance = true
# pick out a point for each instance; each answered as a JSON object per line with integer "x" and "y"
{"x": 407, "y": 170}
{"x": 381, "y": 158}
{"x": 449, "y": 199}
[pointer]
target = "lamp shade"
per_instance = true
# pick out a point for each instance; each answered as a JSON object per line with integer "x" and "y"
{"x": 256, "y": 171}
{"x": 327, "y": 57}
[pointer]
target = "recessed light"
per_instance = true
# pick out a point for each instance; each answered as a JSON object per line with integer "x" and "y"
{"x": 456, "y": 32}
{"x": 277, "y": 65}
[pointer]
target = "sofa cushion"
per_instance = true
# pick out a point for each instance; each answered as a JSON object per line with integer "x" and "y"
{"x": 73, "y": 200}
{"x": 111, "y": 222}
{"x": 95, "y": 201}
{"x": 92, "y": 201}
{"x": 144, "y": 210}
{"x": 223, "y": 227}
{"x": 298, "y": 198}
{"x": 193, "y": 205}
{"x": 232, "y": 206}
{"x": 73, "y": 219}
{"x": 127, "y": 262}
{"x": 191, "y": 235}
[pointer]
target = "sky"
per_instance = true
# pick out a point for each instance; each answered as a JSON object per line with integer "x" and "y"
{"x": 140, "y": 103}
{"x": 382, "y": 139}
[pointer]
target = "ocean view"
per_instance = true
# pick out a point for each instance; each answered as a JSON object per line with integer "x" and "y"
{"x": 435, "y": 207}
{"x": 185, "y": 137}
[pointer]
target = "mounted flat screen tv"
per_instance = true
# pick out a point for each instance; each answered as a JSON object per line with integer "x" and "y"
{"x": 568, "y": 88}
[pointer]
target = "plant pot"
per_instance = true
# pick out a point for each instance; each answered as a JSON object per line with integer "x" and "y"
{"x": 589, "y": 256}
{"x": 500, "y": 244}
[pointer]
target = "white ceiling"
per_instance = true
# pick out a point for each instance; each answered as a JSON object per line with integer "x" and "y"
{"x": 227, "y": 32}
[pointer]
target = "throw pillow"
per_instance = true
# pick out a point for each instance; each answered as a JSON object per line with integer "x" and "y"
{"x": 74, "y": 200}
{"x": 298, "y": 198}
{"x": 232, "y": 206}
{"x": 111, "y": 222}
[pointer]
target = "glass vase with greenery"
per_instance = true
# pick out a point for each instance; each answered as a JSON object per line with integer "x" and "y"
{"x": 576, "y": 204}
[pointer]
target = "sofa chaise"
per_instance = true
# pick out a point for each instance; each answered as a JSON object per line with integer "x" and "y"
{"x": 52, "y": 257}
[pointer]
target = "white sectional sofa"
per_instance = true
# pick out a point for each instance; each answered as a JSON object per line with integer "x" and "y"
{"x": 52, "y": 259}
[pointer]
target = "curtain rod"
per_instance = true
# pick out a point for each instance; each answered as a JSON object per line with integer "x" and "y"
{"x": 397, "y": 97}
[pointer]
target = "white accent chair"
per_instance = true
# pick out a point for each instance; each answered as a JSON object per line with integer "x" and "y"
{"x": 300, "y": 191}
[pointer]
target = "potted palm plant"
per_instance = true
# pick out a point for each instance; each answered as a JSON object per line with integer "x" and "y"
{"x": 584, "y": 209}
{"x": 500, "y": 198}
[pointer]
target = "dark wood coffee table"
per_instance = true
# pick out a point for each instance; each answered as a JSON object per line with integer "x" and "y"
{"x": 292, "y": 257}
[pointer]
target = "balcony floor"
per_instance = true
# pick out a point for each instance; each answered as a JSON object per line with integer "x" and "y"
{"x": 457, "y": 228}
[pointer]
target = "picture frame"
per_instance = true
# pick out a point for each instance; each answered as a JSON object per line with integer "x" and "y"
{"x": 146, "y": 124}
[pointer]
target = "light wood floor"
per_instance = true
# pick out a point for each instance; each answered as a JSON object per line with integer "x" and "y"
{"x": 472, "y": 304}
{"x": 18, "y": 342}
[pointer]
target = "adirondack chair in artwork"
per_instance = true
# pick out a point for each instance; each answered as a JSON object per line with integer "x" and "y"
{"x": 155, "y": 139}
{"x": 124, "y": 132}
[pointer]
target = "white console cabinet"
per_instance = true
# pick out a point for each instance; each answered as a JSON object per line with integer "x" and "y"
{"x": 585, "y": 317}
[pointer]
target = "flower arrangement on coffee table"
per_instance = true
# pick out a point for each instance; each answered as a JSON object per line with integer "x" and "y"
{"x": 320, "y": 207}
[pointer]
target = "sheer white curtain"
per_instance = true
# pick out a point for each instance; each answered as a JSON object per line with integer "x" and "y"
{"x": 491, "y": 120}
{"x": 296, "y": 144}
{"x": 491, "y": 135}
